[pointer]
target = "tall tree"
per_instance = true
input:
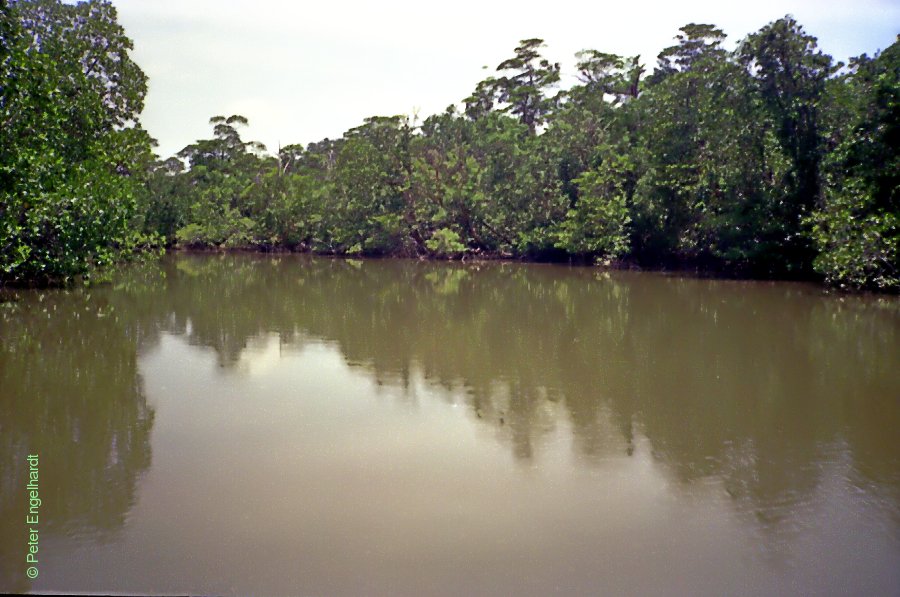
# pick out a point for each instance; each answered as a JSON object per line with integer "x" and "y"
{"x": 70, "y": 145}
{"x": 609, "y": 74}
{"x": 857, "y": 228}
{"x": 371, "y": 204}
{"x": 791, "y": 75}
{"x": 697, "y": 43}
{"x": 529, "y": 77}
{"x": 674, "y": 145}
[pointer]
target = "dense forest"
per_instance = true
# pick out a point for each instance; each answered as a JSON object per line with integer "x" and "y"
{"x": 772, "y": 160}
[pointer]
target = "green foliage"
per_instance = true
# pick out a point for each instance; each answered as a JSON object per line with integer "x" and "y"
{"x": 445, "y": 243}
{"x": 791, "y": 76}
{"x": 689, "y": 146}
{"x": 224, "y": 199}
{"x": 698, "y": 45}
{"x": 192, "y": 235}
{"x": 71, "y": 153}
{"x": 733, "y": 161}
{"x": 523, "y": 89}
{"x": 448, "y": 180}
{"x": 284, "y": 208}
{"x": 721, "y": 182}
{"x": 371, "y": 178}
{"x": 857, "y": 228}
{"x": 762, "y": 162}
{"x": 596, "y": 225}
{"x": 860, "y": 246}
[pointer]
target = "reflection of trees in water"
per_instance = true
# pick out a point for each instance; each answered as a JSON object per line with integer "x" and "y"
{"x": 750, "y": 383}
{"x": 70, "y": 392}
{"x": 482, "y": 327}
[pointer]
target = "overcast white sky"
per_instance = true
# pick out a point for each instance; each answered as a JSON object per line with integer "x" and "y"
{"x": 303, "y": 71}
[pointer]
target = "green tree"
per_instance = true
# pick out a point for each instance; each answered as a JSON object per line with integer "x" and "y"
{"x": 285, "y": 209}
{"x": 593, "y": 116}
{"x": 674, "y": 145}
{"x": 523, "y": 89}
{"x": 226, "y": 151}
{"x": 596, "y": 224}
{"x": 370, "y": 208}
{"x": 72, "y": 154}
{"x": 697, "y": 44}
{"x": 791, "y": 75}
{"x": 609, "y": 74}
{"x": 857, "y": 229}
{"x": 747, "y": 161}
{"x": 447, "y": 181}
{"x": 711, "y": 186}
{"x": 215, "y": 208}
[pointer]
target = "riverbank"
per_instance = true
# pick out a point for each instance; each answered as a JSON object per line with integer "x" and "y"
{"x": 673, "y": 268}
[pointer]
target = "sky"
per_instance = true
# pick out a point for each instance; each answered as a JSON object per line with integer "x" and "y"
{"x": 304, "y": 71}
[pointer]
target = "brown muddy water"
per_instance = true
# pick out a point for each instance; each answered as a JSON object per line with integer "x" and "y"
{"x": 239, "y": 424}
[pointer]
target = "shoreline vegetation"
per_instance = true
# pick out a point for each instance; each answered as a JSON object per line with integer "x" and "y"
{"x": 692, "y": 270}
{"x": 772, "y": 161}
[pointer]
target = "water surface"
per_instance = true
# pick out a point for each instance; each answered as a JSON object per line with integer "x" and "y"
{"x": 284, "y": 425}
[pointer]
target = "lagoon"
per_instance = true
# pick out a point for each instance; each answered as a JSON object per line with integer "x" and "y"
{"x": 238, "y": 423}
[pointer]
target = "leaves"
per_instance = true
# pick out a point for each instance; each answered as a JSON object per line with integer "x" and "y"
{"x": 71, "y": 153}
{"x": 857, "y": 227}
{"x": 764, "y": 161}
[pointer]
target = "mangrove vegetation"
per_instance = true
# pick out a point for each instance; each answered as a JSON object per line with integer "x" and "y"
{"x": 769, "y": 160}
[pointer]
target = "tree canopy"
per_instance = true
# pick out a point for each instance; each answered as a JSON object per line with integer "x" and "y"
{"x": 771, "y": 160}
{"x": 72, "y": 151}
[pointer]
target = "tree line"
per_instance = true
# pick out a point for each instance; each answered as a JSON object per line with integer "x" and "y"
{"x": 771, "y": 160}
